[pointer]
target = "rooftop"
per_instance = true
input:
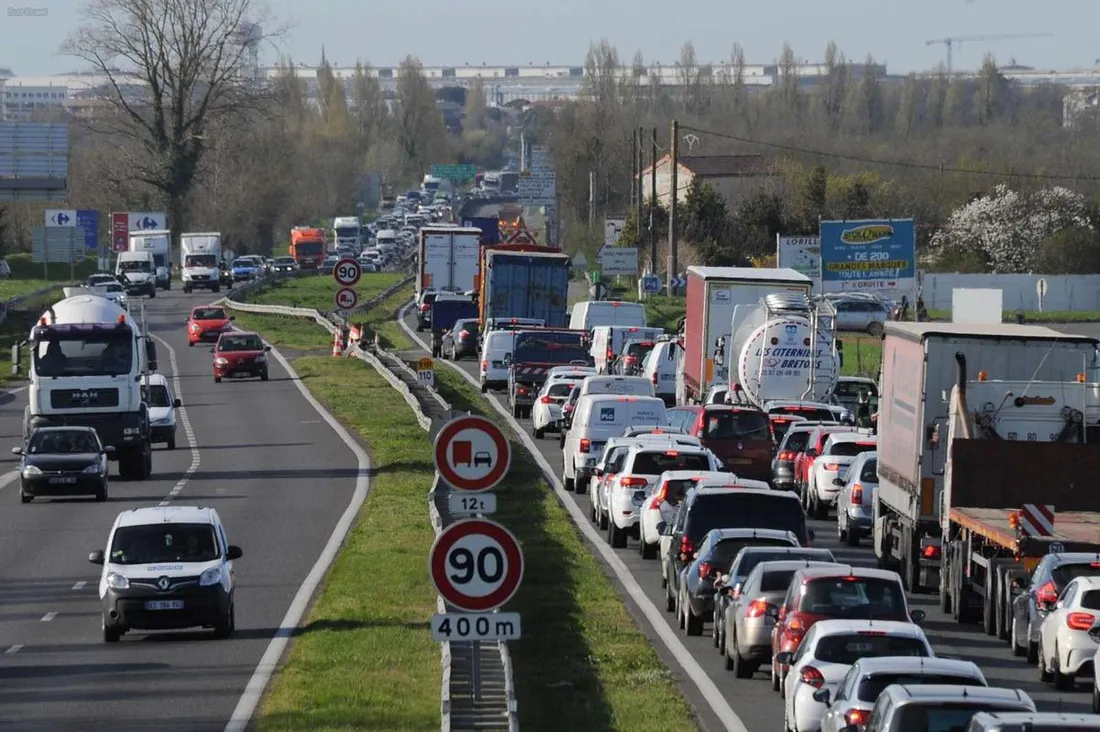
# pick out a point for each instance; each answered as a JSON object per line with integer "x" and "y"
{"x": 166, "y": 515}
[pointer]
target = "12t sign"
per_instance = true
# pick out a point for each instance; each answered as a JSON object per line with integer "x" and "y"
{"x": 347, "y": 272}
{"x": 476, "y": 565}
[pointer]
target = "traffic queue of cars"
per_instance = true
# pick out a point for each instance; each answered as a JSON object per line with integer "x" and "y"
{"x": 718, "y": 495}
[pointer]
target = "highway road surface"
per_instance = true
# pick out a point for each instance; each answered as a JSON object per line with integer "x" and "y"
{"x": 280, "y": 478}
{"x": 758, "y": 707}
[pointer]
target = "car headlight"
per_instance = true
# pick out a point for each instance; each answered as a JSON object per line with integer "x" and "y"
{"x": 131, "y": 430}
{"x": 261, "y": 358}
{"x": 221, "y": 362}
{"x": 29, "y": 470}
{"x": 163, "y": 421}
{"x": 195, "y": 327}
{"x": 211, "y": 576}
{"x": 93, "y": 470}
{"x": 117, "y": 581}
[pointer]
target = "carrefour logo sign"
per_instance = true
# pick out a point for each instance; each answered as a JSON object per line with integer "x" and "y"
{"x": 869, "y": 234}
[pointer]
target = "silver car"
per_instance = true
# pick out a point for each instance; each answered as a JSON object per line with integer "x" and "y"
{"x": 903, "y": 708}
{"x": 854, "y": 501}
{"x": 856, "y": 694}
{"x": 748, "y": 624}
{"x": 861, "y": 314}
{"x": 1050, "y": 577}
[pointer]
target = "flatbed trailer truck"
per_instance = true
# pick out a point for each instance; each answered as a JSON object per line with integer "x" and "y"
{"x": 1016, "y": 448}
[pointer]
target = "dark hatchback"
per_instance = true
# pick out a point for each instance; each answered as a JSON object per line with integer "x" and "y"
{"x": 461, "y": 340}
{"x": 63, "y": 461}
{"x": 741, "y": 437}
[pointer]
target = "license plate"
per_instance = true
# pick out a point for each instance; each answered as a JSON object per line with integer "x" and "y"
{"x": 164, "y": 605}
{"x": 62, "y": 481}
{"x": 240, "y": 374}
{"x": 739, "y": 461}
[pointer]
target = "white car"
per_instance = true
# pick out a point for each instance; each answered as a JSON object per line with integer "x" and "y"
{"x": 623, "y": 496}
{"x": 838, "y": 452}
{"x": 612, "y": 462}
{"x": 1064, "y": 642}
{"x": 851, "y": 703}
{"x": 167, "y": 567}
{"x": 854, "y": 500}
{"x": 671, "y": 487}
{"x": 115, "y": 292}
{"x": 661, "y": 370}
{"x": 546, "y": 411}
{"x": 828, "y": 651}
{"x": 162, "y": 404}
{"x": 493, "y": 368}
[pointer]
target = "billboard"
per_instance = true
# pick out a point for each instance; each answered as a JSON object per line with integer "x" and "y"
{"x": 34, "y": 161}
{"x": 869, "y": 255}
{"x": 802, "y": 254}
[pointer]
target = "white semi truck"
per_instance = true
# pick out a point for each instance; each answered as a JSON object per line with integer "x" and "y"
{"x": 158, "y": 243}
{"x": 347, "y": 232}
{"x": 200, "y": 256}
{"x": 88, "y": 360}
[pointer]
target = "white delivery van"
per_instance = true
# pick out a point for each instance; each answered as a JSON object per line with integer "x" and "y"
{"x": 596, "y": 419}
{"x": 591, "y": 313}
{"x": 659, "y": 368}
{"x": 137, "y": 272}
{"x": 608, "y": 341}
{"x": 493, "y": 369}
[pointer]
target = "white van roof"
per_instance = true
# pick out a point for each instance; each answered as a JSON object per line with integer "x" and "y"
{"x": 615, "y": 385}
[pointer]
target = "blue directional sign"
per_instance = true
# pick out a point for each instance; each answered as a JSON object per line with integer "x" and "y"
{"x": 88, "y": 219}
{"x": 868, "y": 255}
{"x": 651, "y": 284}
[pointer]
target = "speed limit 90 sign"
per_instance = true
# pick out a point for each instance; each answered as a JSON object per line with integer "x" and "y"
{"x": 347, "y": 272}
{"x": 476, "y": 565}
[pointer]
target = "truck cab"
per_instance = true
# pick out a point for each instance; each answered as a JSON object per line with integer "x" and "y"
{"x": 200, "y": 254}
{"x": 159, "y": 244}
{"x": 137, "y": 272}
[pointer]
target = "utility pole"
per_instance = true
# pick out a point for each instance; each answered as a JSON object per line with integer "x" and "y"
{"x": 653, "y": 201}
{"x": 674, "y": 157}
{"x": 639, "y": 210}
{"x": 591, "y": 198}
{"x": 633, "y": 166}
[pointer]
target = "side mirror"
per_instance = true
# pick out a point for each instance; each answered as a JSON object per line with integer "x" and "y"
{"x": 783, "y": 658}
{"x": 177, "y": 404}
{"x": 917, "y": 616}
{"x": 267, "y": 349}
{"x": 664, "y": 529}
{"x": 821, "y": 696}
{"x": 1094, "y": 632}
{"x": 96, "y": 557}
{"x": 811, "y": 453}
{"x": 17, "y": 451}
{"x": 109, "y": 449}
{"x": 838, "y": 482}
{"x": 771, "y": 611}
{"x": 234, "y": 552}
{"x": 507, "y": 359}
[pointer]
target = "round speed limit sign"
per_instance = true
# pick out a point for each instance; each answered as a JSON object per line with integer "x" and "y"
{"x": 347, "y": 272}
{"x": 476, "y": 565}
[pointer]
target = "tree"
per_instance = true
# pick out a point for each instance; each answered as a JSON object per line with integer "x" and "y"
{"x": 420, "y": 131}
{"x": 187, "y": 60}
{"x": 371, "y": 113}
{"x": 705, "y": 214}
{"x": 476, "y": 106}
{"x": 333, "y": 103}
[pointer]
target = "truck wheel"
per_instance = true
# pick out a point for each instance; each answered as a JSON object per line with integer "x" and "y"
{"x": 171, "y": 443}
{"x": 124, "y": 466}
{"x": 187, "y": 290}
{"x": 566, "y": 483}
{"x": 153, "y": 291}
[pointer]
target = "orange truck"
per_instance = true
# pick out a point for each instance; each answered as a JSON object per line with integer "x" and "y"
{"x": 307, "y": 246}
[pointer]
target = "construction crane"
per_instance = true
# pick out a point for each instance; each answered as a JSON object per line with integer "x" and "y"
{"x": 950, "y": 43}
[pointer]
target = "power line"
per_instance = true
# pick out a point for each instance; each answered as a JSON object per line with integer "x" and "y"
{"x": 890, "y": 163}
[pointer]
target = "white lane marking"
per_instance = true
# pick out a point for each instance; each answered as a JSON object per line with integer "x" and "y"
{"x": 8, "y": 478}
{"x": 20, "y": 390}
{"x": 80, "y": 585}
{"x": 48, "y": 617}
{"x": 656, "y": 616}
{"x": 311, "y": 421}
{"x": 14, "y": 649}
{"x": 196, "y": 459}
{"x": 269, "y": 662}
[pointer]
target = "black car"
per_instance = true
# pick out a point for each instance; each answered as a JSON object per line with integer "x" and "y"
{"x": 424, "y": 310}
{"x": 63, "y": 461}
{"x": 225, "y": 275}
{"x": 461, "y": 340}
{"x": 284, "y": 265}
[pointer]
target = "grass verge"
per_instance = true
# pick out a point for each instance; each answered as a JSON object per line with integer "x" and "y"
{"x": 317, "y": 291}
{"x": 862, "y": 356}
{"x": 582, "y": 663}
{"x": 380, "y": 320}
{"x": 364, "y": 659}
{"x": 1034, "y": 316}
{"x": 300, "y": 334}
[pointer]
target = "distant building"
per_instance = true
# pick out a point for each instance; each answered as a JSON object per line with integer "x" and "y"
{"x": 734, "y": 177}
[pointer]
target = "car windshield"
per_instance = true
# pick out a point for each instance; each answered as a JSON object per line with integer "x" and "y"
{"x": 112, "y": 287}
{"x": 746, "y": 510}
{"x": 675, "y": 490}
{"x": 780, "y": 426}
{"x": 284, "y": 261}
{"x": 796, "y": 441}
{"x": 638, "y": 350}
{"x": 727, "y": 549}
{"x": 871, "y": 686}
{"x": 208, "y": 314}
{"x": 239, "y": 263}
{"x": 61, "y": 441}
{"x": 200, "y": 260}
{"x": 84, "y": 353}
{"x": 730, "y": 425}
{"x": 1066, "y": 573}
{"x": 560, "y": 389}
{"x": 850, "y": 647}
{"x": 851, "y": 449}
{"x": 943, "y": 716}
{"x": 750, "y": 560}
{"x": 99, "y": 279}
{"x": 134, "y": 265}
{"x": 240, "y": 343}
{"x": 655, "y": 463}
{"x": 853, "y": 597}
{"x": 158, "y": 543}
{"x": 810, "y": 413}
{"x": 156, "y": 395}
{"x": 551, "y": 348}
{"x": 852, "y": 389}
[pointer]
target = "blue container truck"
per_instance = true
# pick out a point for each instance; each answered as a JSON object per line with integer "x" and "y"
{"x": 490, "y": 228}
{"x": 519, "y": 284}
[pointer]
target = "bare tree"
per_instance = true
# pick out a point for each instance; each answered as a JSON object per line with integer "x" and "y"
{"x": 420, "y": 132}
{"x": 476, "y": 106}
{"x": 172, "y": 68}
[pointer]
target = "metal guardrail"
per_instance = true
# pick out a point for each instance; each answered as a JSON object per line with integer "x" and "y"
{"x": 14, "y": 302}
{"x": 437, "y": 495}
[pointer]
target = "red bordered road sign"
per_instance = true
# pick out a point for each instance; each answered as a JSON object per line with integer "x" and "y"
{"x": 476, "y": 565}
{"x": 346, "y": 299}
{"x": 347, "y": 272}
{"x": 472, "y": 454}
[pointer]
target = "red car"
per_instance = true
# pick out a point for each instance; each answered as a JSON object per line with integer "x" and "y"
{"x": 240, "y": 354}
{"x": 207, "y": 323}
{"x": 740, "y": 436}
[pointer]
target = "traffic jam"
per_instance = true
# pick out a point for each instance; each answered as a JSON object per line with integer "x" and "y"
{"x": 789, "y": 512}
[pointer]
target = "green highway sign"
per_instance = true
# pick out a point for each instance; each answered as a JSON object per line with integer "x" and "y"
{"x": 454, "y": 172}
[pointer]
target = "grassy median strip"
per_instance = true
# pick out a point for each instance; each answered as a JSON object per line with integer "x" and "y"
{"x": 302, "y": 334}
{"x": 317, "y": 291}
{"x": 582, "y": 663}
{"x": 365, "y": 659}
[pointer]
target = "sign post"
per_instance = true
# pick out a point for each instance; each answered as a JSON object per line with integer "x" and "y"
{"x": 476, "y": 565}
{"x": 347, "y": 274}
{"x": 1041, "y": 291}
{"x": 425, "y": 372}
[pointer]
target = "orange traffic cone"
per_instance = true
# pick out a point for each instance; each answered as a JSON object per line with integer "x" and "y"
{"x": 337, "y": 350}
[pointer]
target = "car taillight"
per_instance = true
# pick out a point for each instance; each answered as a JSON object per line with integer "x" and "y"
{"x": 424, "y": 307}
{"x": 634, "y": 482}
{"x": 463, "y": 335}
{"x": 812, "y": 676}
{"x": 786, "y": 455}
{"x": 932, "y": 551}
{"x": 832, "y": 466}
{"x": 705, "y": 569}
{"x": 687, "y": 546}
{"x": 795, "y": 628}
{"x": 857, "y": 494}
{"x": 610, "y": 355}
{"x": 758, "y": 608}
{"x": 1080, "y": 621}
{"x": 546, "y": 400}
{"x": 484, "y": 366}
{"x": 1047, "y": 593}
{"x": 857, "y": 717}
{"x": 654, "y": 378}
{"x": 586, "y": 444}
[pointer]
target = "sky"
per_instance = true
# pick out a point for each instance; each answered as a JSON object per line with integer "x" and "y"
{"x": 523, "y": 32}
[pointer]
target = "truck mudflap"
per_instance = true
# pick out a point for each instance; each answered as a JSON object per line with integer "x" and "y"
{"x": 121, "y": 430}
{"x": 930, "y": 561}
